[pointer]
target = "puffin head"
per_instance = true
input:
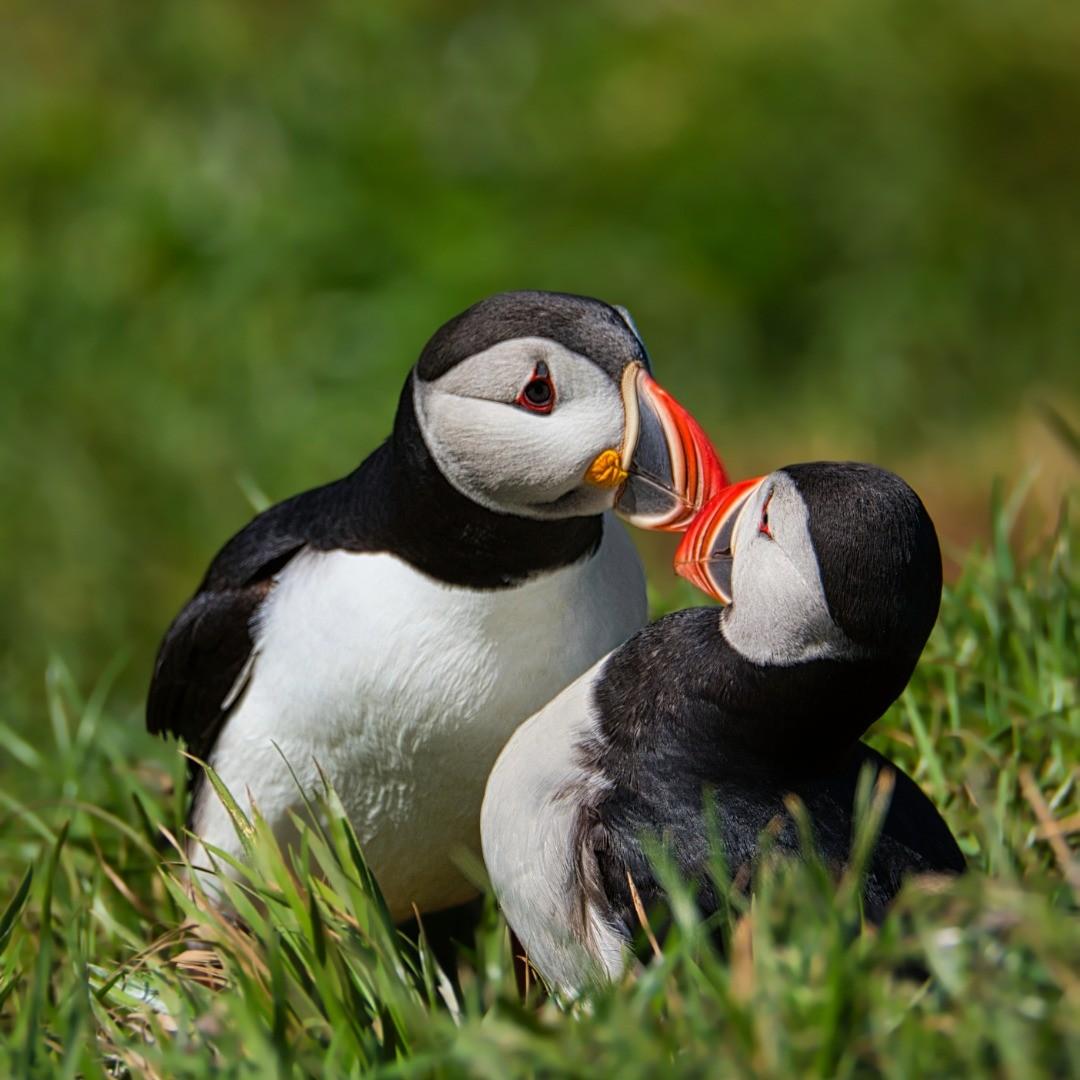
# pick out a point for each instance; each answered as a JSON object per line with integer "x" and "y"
{"x": 542, "y": 405}
{"x": 820, "y": 561}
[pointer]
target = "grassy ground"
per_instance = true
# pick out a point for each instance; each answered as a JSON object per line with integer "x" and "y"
{"x": 96, "y": 979}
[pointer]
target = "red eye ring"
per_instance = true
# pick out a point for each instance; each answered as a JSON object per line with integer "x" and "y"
{"x": 538, "y": 394}
{"x": 763, "y": 525}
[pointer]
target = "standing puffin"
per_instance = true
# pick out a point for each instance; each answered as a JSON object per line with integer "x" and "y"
{"x": 390, "y": 630}
{"x": 831, "y": 577}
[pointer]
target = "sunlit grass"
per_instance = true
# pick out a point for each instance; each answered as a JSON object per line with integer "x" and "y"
{"x": 109, "y": 965}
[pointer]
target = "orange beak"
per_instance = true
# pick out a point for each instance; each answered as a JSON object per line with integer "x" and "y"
{"x": 706, "y": 554}
{"x": 671, "y": 469}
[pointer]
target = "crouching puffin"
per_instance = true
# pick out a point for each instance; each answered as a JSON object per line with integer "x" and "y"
{"x": 831, "y": 577}
{"x": 390, "y": 630}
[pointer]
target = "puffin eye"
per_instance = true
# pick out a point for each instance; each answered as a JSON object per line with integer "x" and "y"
{"x": 539, "y": 392}
{"x": 763, "y": 525}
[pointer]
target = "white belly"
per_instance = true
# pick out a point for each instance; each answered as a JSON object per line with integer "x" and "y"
{"x": 404, "y": 690}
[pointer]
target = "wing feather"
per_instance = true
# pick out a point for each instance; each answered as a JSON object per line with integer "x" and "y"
{"x": 206, "y": 658}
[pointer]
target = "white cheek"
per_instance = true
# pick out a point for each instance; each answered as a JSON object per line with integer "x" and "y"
{"x": 780, "y": 616}
{"x": 510, "y": 460}
{"x": 775, "y": 619}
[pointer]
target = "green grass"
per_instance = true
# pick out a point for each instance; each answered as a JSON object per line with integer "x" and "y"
{"x": 97, "y": 932}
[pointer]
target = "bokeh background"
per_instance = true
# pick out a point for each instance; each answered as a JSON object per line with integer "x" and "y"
{"x": 849, "y": 228}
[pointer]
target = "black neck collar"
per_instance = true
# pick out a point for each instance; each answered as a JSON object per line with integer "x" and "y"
{"x": 678, "y": 689}
{"x": 417, "y": 514}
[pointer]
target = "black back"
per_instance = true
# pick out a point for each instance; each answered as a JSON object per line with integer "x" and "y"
{"x": 914, "y": 840}
{"x": 681, "y": 714}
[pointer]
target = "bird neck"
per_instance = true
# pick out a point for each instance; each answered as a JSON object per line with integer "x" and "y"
{"x": 678, "y": 691}
{"x": 441, "y": 532}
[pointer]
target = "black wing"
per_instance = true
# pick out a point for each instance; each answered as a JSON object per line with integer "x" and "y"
{"x": 204, "y": 653}
{"x": 913, "y": 822}
{"x": 200, "y": 668}
{"x": 914, "y": 837}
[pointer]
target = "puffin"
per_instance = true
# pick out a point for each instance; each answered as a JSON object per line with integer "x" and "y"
{"x": 387, "y": 632}
{"x": 829, "y": 577}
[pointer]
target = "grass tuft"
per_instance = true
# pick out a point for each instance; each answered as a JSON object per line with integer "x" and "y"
{"x": 111, "y": 965}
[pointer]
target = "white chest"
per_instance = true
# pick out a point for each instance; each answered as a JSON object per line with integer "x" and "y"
{"x": 532, "y": 849}
{"x": 404, "y": 690}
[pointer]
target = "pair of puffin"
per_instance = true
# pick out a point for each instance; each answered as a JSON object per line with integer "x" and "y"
{"x": 391, "y": 630}
{"x": 830, "y": 577}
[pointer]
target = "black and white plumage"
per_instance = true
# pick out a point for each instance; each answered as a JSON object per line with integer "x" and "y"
{"x": 392, "y": 628}
{"x": 833, "y": 577}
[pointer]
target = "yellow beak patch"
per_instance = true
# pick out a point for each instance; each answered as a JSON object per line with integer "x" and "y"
{"x": 606, "y": 471}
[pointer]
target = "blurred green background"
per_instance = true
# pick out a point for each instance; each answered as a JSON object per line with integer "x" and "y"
{"x": 848, "y": 228}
